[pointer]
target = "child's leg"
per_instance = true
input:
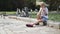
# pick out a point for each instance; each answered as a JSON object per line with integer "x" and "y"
{"x": 38, "y": 21}
{"x": 44, "y": 23}
{"x": 44, "y": 20}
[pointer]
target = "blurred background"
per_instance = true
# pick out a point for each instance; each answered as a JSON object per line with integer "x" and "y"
{"x": 10, "y": 7}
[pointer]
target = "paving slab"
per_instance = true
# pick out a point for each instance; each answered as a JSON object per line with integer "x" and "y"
{"x": 13, "y": 26}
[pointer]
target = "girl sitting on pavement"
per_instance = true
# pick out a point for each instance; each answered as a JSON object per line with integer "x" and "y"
{"x": 42, "y": 15}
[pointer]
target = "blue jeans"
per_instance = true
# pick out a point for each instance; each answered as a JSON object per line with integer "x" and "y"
{"x": 44, "y": 18}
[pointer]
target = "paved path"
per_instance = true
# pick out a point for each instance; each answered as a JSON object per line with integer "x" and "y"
{"x": 11, "y": 26}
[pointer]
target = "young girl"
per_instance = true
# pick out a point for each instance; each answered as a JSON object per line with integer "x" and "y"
{"x": 42, "y": 15}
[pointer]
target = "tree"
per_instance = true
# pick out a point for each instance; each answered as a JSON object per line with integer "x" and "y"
{"x": 54, "y": 4}
{"x": 13, "y": 4}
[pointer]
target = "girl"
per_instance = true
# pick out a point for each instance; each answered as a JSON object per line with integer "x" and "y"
{"x": 42, "y": 15}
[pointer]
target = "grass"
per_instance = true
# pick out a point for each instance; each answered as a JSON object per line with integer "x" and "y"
{"x": 52, "y": 16}
{"x": 9, "y": 13}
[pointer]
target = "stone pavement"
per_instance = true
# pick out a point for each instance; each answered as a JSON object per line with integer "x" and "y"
{"x": 12, "y": 26}
{"x": 50, "y": 23}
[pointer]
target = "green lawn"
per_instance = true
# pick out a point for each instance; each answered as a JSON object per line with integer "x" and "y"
{"x": 52, "y": 16}
{"x": 8, "y": 12}
{"x": 55, "y": 17}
